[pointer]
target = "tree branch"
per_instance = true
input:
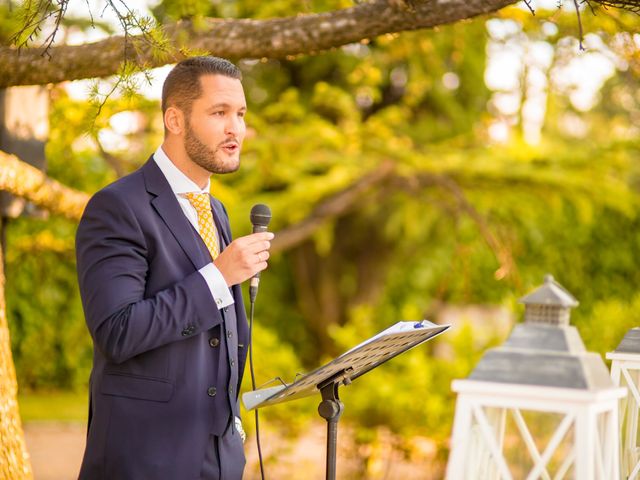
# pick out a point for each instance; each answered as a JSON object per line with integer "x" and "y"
{"x": 334, "y": 206}
{"x": 111, "y": 160}
{"x": 235, "y": 39}
{"x": 345, "y": 200}
{"x": 502, "y": 254}
{"x": 23, "y": 180}
{"x": 631, "y": 5}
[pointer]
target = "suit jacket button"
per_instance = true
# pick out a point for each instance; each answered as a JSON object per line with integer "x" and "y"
{"x": 225, "y": 309}
{"x": 211, "y": 391}
{"x": 186, "y": 332}
{"x": 214, "y": 342}
{"x": 229, "y": 334}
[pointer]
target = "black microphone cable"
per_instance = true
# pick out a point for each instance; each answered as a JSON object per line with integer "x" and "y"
{"x": 253, "y": 384}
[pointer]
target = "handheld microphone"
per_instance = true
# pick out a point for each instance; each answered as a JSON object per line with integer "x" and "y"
{"x": 260, "y": 217}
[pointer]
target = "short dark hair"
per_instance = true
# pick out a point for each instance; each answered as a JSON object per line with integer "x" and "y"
{"x": 182, "y": 85}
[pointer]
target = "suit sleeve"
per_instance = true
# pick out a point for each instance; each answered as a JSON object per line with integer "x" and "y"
{"x": 113, "y": 263}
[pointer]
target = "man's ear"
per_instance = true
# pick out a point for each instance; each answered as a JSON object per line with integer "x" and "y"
{"x": 174, "y": 120}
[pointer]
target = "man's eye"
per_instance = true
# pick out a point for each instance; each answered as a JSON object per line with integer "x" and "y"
{"x": 241, "y": 114}
{"x": 218, "y": 113}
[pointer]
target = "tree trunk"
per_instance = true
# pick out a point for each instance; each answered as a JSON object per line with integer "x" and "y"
{"x": 14, "y": 459}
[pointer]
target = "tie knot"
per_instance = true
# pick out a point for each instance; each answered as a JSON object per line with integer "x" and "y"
{"x": 200, "y": 201}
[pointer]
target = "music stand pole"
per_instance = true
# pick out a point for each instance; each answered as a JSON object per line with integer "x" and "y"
{"x": 331, "y": 409}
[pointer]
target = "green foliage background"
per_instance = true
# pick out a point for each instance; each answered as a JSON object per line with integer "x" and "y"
{"x": 409, "y": 247}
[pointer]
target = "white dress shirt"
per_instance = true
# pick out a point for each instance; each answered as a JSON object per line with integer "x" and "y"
{"x": 181, "y": 184}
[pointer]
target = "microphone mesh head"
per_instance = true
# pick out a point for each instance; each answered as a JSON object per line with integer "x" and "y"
{"x": 260, "y": 215}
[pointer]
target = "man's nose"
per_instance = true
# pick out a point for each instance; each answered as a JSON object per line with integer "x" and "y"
{"x": 232, "y": 125}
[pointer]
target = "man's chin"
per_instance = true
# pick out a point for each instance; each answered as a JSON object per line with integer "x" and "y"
{"x": 219, "y": 164}
{"x": 230, "y": 165}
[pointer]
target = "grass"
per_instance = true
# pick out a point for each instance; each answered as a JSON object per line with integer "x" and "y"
{"x": 54, "y": 406}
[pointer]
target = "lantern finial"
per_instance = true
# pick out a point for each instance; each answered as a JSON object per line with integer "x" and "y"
{"x": 548, "y": 304}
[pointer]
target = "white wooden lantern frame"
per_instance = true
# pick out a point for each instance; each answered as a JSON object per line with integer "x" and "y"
{"x": 477, "y": 443}
{"x": 625, "y": 371}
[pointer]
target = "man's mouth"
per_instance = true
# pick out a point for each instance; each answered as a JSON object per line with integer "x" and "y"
{"x": 230, "y": 147}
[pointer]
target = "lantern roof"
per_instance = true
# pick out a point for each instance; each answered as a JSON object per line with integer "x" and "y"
{"x": 630, "y": 343}
{"x": 545, "y": 338}
{"x": 550, "y": 293}
{"x": 546, "y": 356}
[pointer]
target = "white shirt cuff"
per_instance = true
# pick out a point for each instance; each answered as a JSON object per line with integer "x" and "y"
{"x": 217, "y": 285}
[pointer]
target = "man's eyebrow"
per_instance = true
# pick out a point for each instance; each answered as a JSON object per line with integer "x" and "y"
{"x": 225, "y": 106}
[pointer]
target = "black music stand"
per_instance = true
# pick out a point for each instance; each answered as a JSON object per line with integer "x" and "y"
{"x": 344, "y": 369}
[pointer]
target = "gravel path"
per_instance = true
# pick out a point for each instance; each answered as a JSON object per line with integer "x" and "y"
{"x": 55, "y": 448}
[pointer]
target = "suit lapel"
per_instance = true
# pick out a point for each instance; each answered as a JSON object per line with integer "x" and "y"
{"x": 167, "y": 207}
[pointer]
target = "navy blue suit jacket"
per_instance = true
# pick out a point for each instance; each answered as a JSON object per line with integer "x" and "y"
{"x": 161, "y": 370}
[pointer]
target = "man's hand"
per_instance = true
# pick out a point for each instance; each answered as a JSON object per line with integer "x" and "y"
{"x": 244, "y": 257}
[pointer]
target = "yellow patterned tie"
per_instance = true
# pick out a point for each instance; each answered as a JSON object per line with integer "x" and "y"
{"x": 206, "y": 225}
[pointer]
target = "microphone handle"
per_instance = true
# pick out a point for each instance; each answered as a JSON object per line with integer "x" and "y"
{"x": 255, "y": 280}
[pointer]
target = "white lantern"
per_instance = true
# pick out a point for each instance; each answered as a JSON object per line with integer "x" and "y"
{"x": 625, "y": 371}
{"x": 540, "y": 406}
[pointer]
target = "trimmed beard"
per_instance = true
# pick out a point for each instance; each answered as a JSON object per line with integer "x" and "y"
{"x": 206, "y": 157}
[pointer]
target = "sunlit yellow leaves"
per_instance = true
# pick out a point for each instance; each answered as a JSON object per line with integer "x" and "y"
{"x": 366, "y": 73}
{"x": 286, "y": 109}
{"x": 44, "y": 241}
{"x": 334, "y": 103}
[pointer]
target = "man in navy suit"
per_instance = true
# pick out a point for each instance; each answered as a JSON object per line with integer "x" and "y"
{"x": 164, "y": 307}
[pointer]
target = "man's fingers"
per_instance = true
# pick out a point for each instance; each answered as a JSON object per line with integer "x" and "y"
{"x": 254, "y": 243}
{"x": 251, "y": 240}
{"x": 259, "y": 237}
{"x": 263, "y": 256}
{"x": 256, "y": 237}
{"x": 258, "y": 247}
